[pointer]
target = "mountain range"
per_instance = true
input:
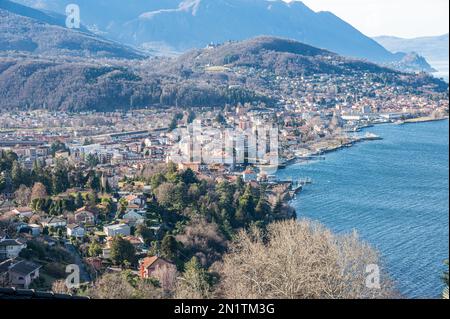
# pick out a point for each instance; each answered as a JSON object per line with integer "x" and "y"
{"x": 44, "y": 33}
{"x": 228, "y": 74}
{"x": 43, "y": 64}
{"x": 181, "y": 25}
{"x": 434, "y": 49}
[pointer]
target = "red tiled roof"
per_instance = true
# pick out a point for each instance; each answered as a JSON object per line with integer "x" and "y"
{"x": 85, "y": 209}
{"x": 23, "y": 209}
{"x": 148, "y": 261}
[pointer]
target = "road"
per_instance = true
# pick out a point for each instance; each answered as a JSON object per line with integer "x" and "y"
{"x": 84, "y": 274}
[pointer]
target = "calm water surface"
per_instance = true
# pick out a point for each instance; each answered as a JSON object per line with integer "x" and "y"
{"x": 395, "y": 193}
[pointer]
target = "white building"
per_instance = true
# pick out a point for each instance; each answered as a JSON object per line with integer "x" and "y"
{"x": 75, "y": 231}
{"x": 22, "y": 274}
{"x": 117, "y": 230}
{"x": 134, "y": 217}
{"x": 10, "y": 248}
{"x": 23, "y": 212}
{"x": 35, "y": 230}
{"x": 54, "y": 222}
{"x": 352, "y": 117}
{"x": 366, "y": 109}
{"x": 249, "y": 175}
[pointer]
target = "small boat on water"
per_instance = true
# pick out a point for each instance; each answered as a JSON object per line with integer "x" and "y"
{"x": 372, "y": 137}
{"x": 399, "y": 122}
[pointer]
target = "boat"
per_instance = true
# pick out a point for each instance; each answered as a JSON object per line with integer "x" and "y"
{"x": 372, "y": 137}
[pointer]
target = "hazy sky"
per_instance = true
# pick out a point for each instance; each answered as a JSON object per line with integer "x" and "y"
{"x": 403, "y": 18}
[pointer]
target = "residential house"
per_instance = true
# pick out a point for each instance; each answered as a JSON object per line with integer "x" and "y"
{"x": 22, "y": 274}
{"x": 76, "y": 231}
{"x": 23, "y": 212}
{"x": 54, "y": 222}
{"x": 249, "y": 175}
{"x": 133, "y": 199}
{"x": 95, "y": 263}
{"x": 117, "y": 230}
{"x": 85, "y": 216}
{"x": 149, "y": 265}
{"x": 137, "y": 243}
{"x": 35, "y": 230}
{"x": 133, "y": 218}
{"x": 4, "y": 276}
{"x": 10, "y": 248}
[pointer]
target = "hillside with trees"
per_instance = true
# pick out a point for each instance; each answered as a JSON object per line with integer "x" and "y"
{"x": 232, "y": 73}
{"x": 28, "y": 30}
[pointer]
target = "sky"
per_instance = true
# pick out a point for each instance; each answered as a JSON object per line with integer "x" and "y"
{"x": 402, "y": 18}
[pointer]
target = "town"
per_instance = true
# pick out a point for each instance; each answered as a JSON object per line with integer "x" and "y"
{"x": 109, "y": 192}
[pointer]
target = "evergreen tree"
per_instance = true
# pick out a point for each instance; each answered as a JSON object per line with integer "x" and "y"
{"x": 262, "y": 210}
{"x": 188, "y": 177}
{"x": 60, "y": 179}
{"x": 94, "y": 249}
{"x": 6, "y": 184}
{"x": 169, "y": 248}
{"x": 93, "y": 182}
{"x": 239, "y": 184}
{"x": 247, "y": 203}
{"x": 191, "y": 117}
{"x": 79, "y": 202}
{"x": 92, "y": 199}
{"x": 122, "y": 251}
{"x": 17, "y": 174}
{"x": 195, "y": 283}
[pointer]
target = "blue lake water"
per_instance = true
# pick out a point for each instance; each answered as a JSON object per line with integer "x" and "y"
{"x": 395, "y": 193}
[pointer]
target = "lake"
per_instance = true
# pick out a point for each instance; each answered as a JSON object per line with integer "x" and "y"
{"x": 395, "y": 193}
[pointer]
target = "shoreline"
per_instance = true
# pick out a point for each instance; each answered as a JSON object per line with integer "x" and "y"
{"x": 317, "y": 155}
{"x": 425, "y": 119}
{"x": 294, "y": 192}
{"x": 304, "y": 205}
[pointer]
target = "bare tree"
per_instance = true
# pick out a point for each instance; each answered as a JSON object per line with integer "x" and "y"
{"x": 39, "y": 191}
{"x": 204, "y": 240}
{"x": 23, "y": 196}
{"x": 167, "y": 277}
{"x": 60, "y": 287}
{"x": 123, "y": 285}
{"x": 299, "y": 260}
{"x": 111, "y": 286}
{"x": 195, "y": 282}
{"x": 35, "y": 219}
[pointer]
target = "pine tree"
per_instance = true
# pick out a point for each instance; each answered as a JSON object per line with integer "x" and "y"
{"x": 16, "y": 174}
{"x": 169, "y": 248}
{"x": 60, "y": 179}
{"x": 247, "y": 203}
{"x": 195, "y": 283}
{"x": 122, "y": 251}
{"x": 79, "y": 202}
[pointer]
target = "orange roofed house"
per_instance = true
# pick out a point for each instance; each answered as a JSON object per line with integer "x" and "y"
{"x": 149, "y": 265}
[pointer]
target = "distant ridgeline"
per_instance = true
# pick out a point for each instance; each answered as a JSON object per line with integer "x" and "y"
{"x": 45, "y": 65}
{"x": 161, "y": 25}
{"x": 237, "y": 72}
